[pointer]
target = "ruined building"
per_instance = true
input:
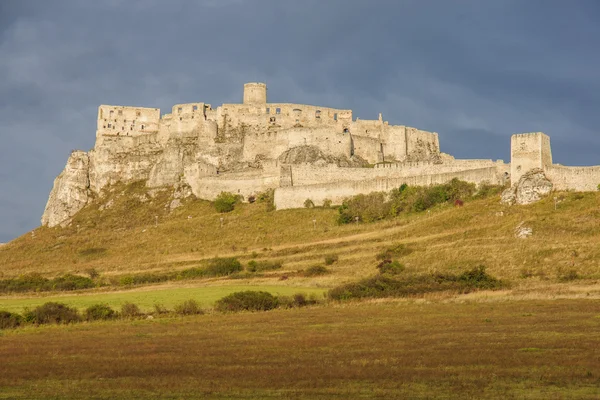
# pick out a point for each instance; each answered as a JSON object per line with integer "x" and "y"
{"x": 301, "y": 151}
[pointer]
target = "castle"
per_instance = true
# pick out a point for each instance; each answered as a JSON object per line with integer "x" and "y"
{"x": 301, "y": 151}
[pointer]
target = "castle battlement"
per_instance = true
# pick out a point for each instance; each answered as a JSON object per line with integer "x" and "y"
{"x": 302, "y": 151}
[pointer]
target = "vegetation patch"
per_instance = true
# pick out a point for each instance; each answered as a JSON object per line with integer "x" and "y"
{"x": 35, "y": 282}
{"x": 9, "y": 320}
{"x": 99, "y": 312}
{"x": 263, "y": 265}
{"x": 52, "y": 313}
{"x": 315, "y": 270}
{"x": 385, "y": 285}
{"x": 188, "y": 307}
{"x": 405, "y": 199}
{"x": 225, "y": 202}
{"x": 248, "y": 300}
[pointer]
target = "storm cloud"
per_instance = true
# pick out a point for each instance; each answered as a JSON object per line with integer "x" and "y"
{"x": 473, "y": 71}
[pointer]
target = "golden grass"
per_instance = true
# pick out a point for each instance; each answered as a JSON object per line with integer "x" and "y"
{"x": 124, "y": 238}
{"x": 400, "y": 349}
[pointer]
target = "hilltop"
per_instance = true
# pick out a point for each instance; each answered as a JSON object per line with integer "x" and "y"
{"x": 126, "y": 230}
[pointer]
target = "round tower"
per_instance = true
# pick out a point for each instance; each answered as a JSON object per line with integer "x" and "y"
{"x": 255, "y": 93}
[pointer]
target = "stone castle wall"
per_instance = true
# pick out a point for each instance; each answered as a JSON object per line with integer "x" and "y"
{"x": 294, "y": 197}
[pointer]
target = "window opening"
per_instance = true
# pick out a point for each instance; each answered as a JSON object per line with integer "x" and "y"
{"x": 278, "y": 110}
{"x": 318, "y": 114}
{"x": 335, "y": 117}
{"x": 195, "y": 108}
{"x": 268, "y": 110}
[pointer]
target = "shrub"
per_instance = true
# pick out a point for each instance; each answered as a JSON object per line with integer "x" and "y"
{"x": 247, "y": 301}
{"x": 191, "y": 273}
{"x": 390, "y": 267}
{"x": 222, "y": 266}
{"x": 567, "y": 276}
{"x": 268, "y": 199}
{"x": 71, "y": 282}
{"x": 9, "y": 320}
{"x": 397, "y": 250}
{"x": 297, "y": 300}
{"x": 368, "y": 207}
{"x": 256, "y": 266}
{"x": 308, "y": 203}
{"x": 225, "y": 202}
{"x": 93, "y": 273}
{"x": 331, "y": 259}
{"x": 130, "y": 310}
{"x": 188, "y": 307}
{"x": 160, "y": 309}
{"x": 385, "y": 285}
{"x": 315, "y": 270}
{"x": 53, "y": 313}
{"x": 99, "y": 312}
{"x": 326, "y": 203}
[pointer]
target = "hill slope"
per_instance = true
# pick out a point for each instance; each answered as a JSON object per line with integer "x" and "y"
{"x": 128, "y": 230}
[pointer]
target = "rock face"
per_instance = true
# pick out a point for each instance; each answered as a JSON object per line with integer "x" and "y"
{"x": 70, "y": 192}
{"x": 532, "y": 187}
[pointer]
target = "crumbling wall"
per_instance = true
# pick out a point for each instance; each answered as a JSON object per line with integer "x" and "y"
{"x": 294, "y": 197}
{"x": 127, "y": 121}
{"x": 573, "y": 178}
{"x": 529, "y": 151}
{"x": 421, "y": 145}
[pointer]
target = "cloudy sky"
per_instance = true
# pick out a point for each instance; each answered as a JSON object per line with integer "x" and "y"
{"x": 474, "y": 71}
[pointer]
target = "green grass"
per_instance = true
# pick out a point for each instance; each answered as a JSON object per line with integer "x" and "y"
{"x": 145, "y": 299}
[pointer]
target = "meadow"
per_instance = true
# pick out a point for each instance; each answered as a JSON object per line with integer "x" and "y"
{"x": 386, "y": 349}
{"x": 536, "y": 336}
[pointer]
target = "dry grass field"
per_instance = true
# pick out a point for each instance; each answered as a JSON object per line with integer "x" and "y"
{"x": 388, "y": 350}
{"x": 537, "y": 338}
{"x": 126, "y": 238}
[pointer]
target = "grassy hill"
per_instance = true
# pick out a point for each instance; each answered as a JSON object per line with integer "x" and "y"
{"x": 128, "y": 231}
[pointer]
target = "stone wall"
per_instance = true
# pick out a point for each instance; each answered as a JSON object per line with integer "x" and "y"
{"x": 529, "y": 151}
{"x": 294, "y": 197}
{"x": 573, "y": 178}
{"x": 127, "y": 121}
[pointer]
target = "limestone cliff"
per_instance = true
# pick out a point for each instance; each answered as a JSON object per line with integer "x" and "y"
{"x": 70, "y": 192}
{"x": 531, "y": 187}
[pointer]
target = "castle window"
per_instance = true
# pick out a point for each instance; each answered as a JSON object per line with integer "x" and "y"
{"x": 346, "y": 130}
{"x": 142, "y": 126}
{"x": 335, "y": 117}
{"x": 120, "y": 112}
{"x": 297, "y": 110}
{"x": 195, "y": 108}
{"x": 278, "y": 110}
{"x": 272, "y": 119}
{"x": 111, "y": 113}
{"x": 318, "y": 114}
{"x": 179, "y": 110}
{"x": 109, "y": 125}
{"x": 268, "y": 110}
{"x": 104, "y": 126}
{"x": 138, "y": 113}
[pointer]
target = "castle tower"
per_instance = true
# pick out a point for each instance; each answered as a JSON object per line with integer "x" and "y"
{"x": 528, "y": 151}
{"x": 255, "y": 93}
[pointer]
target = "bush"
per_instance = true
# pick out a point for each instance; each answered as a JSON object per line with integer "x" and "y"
{"x": 390, "y": 267}
{"x": 247, "y": 301}
{"x": 93, "y": 273}
{"x": 308, "y": 203}
{"x": 297, "y": 300}
{"x": 368, "y": 207}
{"x": 326, "y": 203}
{"x": 130, "y": 310}
{"x": 331, "y": 259}
{"x": 188, "y": 307}
{"x": 160, "y": 309}
{"x": 9, "y": 320}
{"x": 268, "y": 199}
{"x": 222, "y": 267}
{"x": 257, "y": 266}
{"x": 397, "y": 250}
{"x": 225, "y": 202}
{"x": 52, "y": 313}
{"x": 99, "y": 312}
{"x": 315, "y": 270}
{"x": 71, "y": 282}
{"x": 388, "y": 286}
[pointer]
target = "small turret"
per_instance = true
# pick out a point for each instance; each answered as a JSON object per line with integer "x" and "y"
{"x": 255, "y": 93}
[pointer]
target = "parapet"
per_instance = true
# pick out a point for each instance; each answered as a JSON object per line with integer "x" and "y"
{"x": 255, "y": 93}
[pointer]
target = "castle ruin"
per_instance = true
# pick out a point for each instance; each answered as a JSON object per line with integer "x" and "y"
{"x": 301, "y": 151}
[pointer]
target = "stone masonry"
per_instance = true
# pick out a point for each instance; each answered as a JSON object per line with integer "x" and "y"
{"x": 301, "y": 151}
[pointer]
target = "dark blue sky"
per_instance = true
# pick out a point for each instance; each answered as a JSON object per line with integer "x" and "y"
{"x": 474, "y": 71}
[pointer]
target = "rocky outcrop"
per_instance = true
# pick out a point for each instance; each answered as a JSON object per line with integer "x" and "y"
{"x": 70, "y": 192}
{"x": 314, "y": 155}
{"x": 532, "y": 187}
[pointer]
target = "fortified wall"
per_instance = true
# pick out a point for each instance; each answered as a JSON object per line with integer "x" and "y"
{"x": 302, "y": 151}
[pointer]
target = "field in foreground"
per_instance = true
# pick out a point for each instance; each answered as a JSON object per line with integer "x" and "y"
{"x": 399, "y": 349}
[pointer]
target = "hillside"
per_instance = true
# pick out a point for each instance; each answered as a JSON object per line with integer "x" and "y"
{"x": 126, "y": 230}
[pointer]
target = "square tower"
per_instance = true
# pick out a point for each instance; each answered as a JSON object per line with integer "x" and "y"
{"x": 528, "y": 151}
